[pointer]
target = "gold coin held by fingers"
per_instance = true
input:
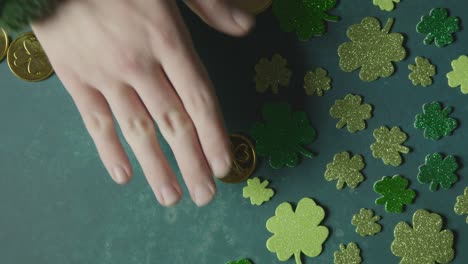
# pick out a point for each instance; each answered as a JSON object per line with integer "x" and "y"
{"x": 244, "y": 160}
{"x": 27, "y": 60}
{"x": 253, "y": 6}
{"x": 4, "y": 41}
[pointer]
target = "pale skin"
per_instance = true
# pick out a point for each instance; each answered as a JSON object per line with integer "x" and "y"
{"x": 134, "y": 59}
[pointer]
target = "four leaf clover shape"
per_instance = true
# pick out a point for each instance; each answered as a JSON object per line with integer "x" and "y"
{"x": 366, "y": 223}
{"x": 274, "y": 73}
{"x": 257, "y": 191}
{"x": 351, "y": 112}
{"x": 439, "y": 27}
{"x": 461, "y": 206}
{"x": 388, "y": 145}
{"x": 435, "y": 121}
{"x": 387, "y": 5}
{"x": 421, "y": 72}
{"x": 459, "y": 75}
{"x": 350, "y": 254}
{"x": 346, "y": 170}
{"x": 317, "y": 82}
{"x": 438, "y": 171}
{"x": 394, "y": 193}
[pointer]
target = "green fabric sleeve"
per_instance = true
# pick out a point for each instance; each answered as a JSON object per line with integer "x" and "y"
{"x": 17, "y": 14}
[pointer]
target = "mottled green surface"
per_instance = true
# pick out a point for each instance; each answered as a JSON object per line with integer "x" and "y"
{"x": 59, "y": 206}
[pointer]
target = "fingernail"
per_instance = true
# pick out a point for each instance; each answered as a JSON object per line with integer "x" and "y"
{"x": 170, "y": 196}
{"x": 120, "y": 175}
{"x": 203, "y": 194}
{"x": 244, "y": 20}
{"x": 221, "y": 166}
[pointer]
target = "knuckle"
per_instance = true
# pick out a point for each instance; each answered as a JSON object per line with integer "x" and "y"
{"x": 174, "y": 124}
{"x": 167, "y": 38}
{"x": 138, "y": 127}
{"x": 98, "y": 124}
{"x": 129, "y": 61}
{"x": 200, "y": 103}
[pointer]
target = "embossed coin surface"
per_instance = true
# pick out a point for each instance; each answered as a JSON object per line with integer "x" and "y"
{"x": 27, "y": 60}
{"x": 253, "y": 6}
{"x": 4, "y": 41}
{"x": 244, "y": 159}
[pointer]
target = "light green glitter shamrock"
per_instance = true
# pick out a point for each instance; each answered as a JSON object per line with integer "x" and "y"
{"x": 352, "y": 112}
{"x": 317, "y": 82}
{"x": 257, "y": 191}
{"x": 241, "y": 261}
{"x": 461, "y": 206}
{"x": 394, "y": 193}
{"x": 366, "y": 223}
{"x": 459, "y": 75}
{"x": 387, "y": 5}
{"x": 438, "y": 171}
{"x": 425, "y": 242}
{"x": 435, "y": 121}
{"x": 346, "y": 170}
{"x": 439, "y": 27}
{"x": 421, "y": 72}
{"x": 296, "y": 232}
{"x": 348, "y": 255}
{"x": 388, "y": 145}
{"x": 274, "y": 73}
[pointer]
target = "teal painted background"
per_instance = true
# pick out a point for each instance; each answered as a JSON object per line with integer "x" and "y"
{"x": 57, "y": 204}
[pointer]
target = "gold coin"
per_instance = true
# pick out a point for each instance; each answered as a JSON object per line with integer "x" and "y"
{"x": 4, "y": 41}
{"x": 244, "y": 159}
{"x": 253, "y": 6}
{"x": 27, "y": 60}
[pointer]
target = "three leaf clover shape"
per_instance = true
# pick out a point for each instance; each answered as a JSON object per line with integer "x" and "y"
{"x": 296, "y": 232}
{"x": 257, "y": 191}
{"x": 435, "y": 121}
{"x": 461, "y": 206}
{"x": 459, "y": 75}
{"x": 421, "y": 72}
{"x": 274, "y": 73}
{"x": 32, "y": 57}
{"x": 305, "y": 17}
{"x": 439, "y": 27}
{"x": 348, "y": 255}
{"x": 317, "y": 82}
{"x": 425, "y": 242}
{"x": 438, "y": 170}
{"x": 372, "y": 49}
{"x": 394, "y": 193}
{"x": 345, "y": 169}
{"x": 388, "y": 145}
{"x": 283, "y": 135}
{"x": 351, "y": 112}
{"x": 387, "y": 5}
{"x": 366, "y": 223}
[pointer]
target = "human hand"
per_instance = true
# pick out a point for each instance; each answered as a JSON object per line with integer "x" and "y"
{"x": 135, "y": 59}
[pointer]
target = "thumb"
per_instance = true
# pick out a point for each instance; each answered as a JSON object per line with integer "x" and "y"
{"x": 223, "y": 16}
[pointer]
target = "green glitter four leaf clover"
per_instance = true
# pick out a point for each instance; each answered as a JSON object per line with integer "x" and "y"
{"x": 425, "y": 242}
{"x": 459, "y": 75}
{"x": 317, "y": 82}
{"x": 348, "y": 255}
{"x": 283, "y": 135}
{"x": 439, "y": 27}
{"x": 461, "y": 206}
{"x": 346, "y": 170}
{"x": 257, "y": 191}
{"x": 435, "y": 121}
{"x": 394, "y": 193}
{"x": 296, "y": 232}
{"x": 421, "y": 72}
{"x": 372, "y": 49}
{"x": 242, "y": 261}
{"x": 352, "y": 112}
{"x": 387, "y": 5}
{"x": 388, "y": 145}
{"x": 366, "y": 223}
{"x": 305, "y": 17}
{"x": 274, "y": 73}
{"x": 438, "y": 171}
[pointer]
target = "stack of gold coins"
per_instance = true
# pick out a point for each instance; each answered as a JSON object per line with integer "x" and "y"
{"x": 4, "y": 41}
{"x": 253, "y": 6}
{"x": 244, "y": 160}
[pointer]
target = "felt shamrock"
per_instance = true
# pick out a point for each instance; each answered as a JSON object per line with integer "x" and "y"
{"x": 387, "y": 5}
{"x": 352, "y": 112}
{"x": 461, "y": 207}
{"x": 241, "y": 261}
{"x": 257, "y": 191}
{"x": 366, "y": 223}
{"x": 372, "y": 49}
{"x": 283, "y": 135}
{"x": 348, "y": 255}
{"x": 435, "y": 121}
{"x": 422, "y": 72}
{"x": 346, "y": 170}
{"x": 425, "y": 242}
{"x": 439, "y": 27}
{"x": 438, "y": 171}
{"x": 296, "y": 232}
{"x": 459, "y": 75}
{"x": 317, "y": 82}
{"x": 272, "y": 74}
{"x": 305, "y": 17}
{"x": 394, "y": 193}
{"x": 388, "y": 145}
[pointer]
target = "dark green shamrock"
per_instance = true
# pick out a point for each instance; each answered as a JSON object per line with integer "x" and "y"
{"x": 241, "y": 261}
{"x": 435, "y": 121}
{"x": 306, "y": 17}
{"x": 283, "y": 135}
{"x": 438, "y": 171}
{"x": 439, "y": 27}
{"x": 394, "y": 193}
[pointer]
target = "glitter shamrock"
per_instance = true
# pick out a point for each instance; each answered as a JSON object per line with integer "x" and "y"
{"x": 394, "y": 193}
{"x": 241, "y": 261}
{"x": 421, "y": 72}
{"x": 439, "y": 27}
{"x": 459, "y": 75}
{"x": 435, "y": 121}
{"x": 388, "y": 145}
{"x": 296, "y": 232}
{"x": 346, "y": 170}
{"x": 352, "y": 112}
{"x": 317, "y": 82}
{"x": 257, "y": 191}
{"x": 305, "y": 17}
{"x": 371, "y": 49}
{"x": 274, "y": 73}
{"x": 283, "y": 135}
{"x": 461, "y": 206}
{"x": 425, "y": 242}
{"x": 387, "y": 5}
{"x": 366, "y": 223}
{"x": 438, "y": 171}
{"x": 348, "y": 255}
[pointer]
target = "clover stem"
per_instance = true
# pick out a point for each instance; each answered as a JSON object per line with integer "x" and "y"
{"x": 305, "y": 152}
{"x": 332, "y": 18}
{"x": 403, "y": 149}
{"x": 388, "y": 26}
{"x": 297, "y": 256}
